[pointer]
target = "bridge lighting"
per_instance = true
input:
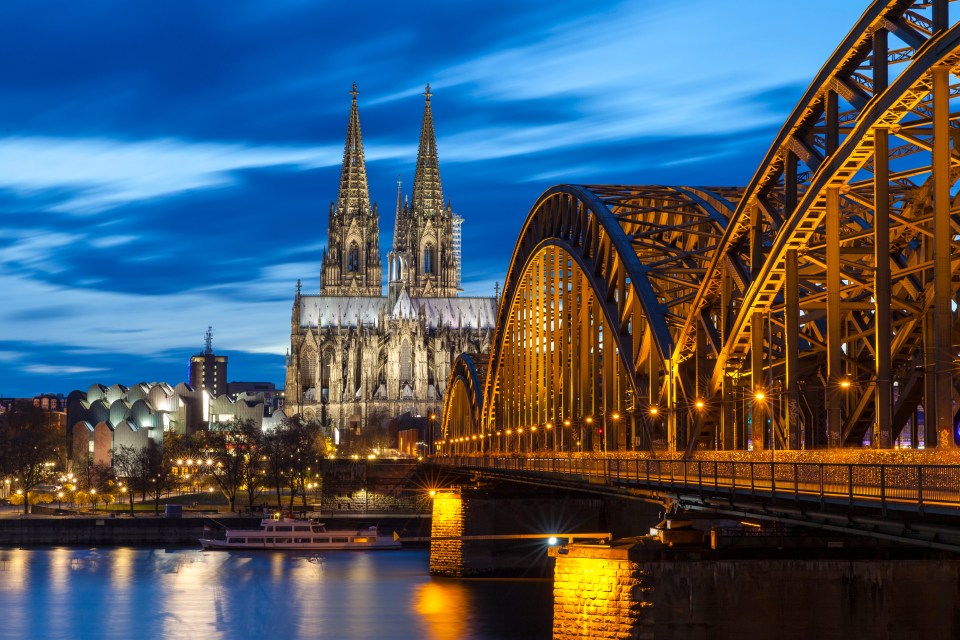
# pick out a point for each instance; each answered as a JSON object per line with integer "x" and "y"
{"x": 615, "y": 416}
{"x": 520, "y": 430}
{"x": 552, "y": 540}
{"x": 509, "y": 432}
{"x": 759, "y": 395}
{"x": 588, "y": 420}
{"x": 433, "y": 493}
{"x": 566, "y": 422}
{"x": 549, "y": 425}
{"x": 699, "y": 404}
{"x": 654, "y": 411}
{"x": 845, "y": 383}
{"x": 533, "y": 428}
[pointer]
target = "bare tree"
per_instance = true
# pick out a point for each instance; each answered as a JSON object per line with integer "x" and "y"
{"x": 133, "y": 466}
{"x": 31, "y": 446}
{"x": 233, "y": 449}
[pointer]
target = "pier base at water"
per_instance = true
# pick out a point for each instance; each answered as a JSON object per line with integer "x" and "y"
{"x": 493, "y": 532}
{"x": 639, "y": 588}
{"x": 600, "y": 592}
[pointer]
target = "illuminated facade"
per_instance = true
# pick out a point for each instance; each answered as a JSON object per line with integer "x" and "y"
{"x": 102, "y": 418}
{"x": 358, "y": 357}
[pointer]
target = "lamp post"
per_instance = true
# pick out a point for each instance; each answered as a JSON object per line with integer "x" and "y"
{"x": 615, "y": 416}
{"x": 431, "y": 425}
{"x": 23, "y": 503}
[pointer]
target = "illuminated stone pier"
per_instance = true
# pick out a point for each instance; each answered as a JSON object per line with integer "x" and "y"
{"x": 600, "y": 592}
{"x": 447, "y": 527}
{"x": 495, "y": 531}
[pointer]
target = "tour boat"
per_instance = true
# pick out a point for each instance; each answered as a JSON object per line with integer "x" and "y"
{"x": 289, "y": 533}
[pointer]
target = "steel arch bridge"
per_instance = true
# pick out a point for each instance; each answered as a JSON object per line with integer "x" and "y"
{"x": 814, "y": 308}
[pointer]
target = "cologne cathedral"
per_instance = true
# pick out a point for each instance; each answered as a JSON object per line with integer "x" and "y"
{"x": 358, "y": 358}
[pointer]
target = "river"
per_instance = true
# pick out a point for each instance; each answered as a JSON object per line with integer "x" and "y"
{"x": 142, "y": 594}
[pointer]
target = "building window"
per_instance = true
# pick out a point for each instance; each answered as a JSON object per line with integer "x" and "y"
{"x": 406, "y": 361}
{"x": 353, "y": 258}
{"x": 308, "y": 368}
{"x": 429, "y": 259}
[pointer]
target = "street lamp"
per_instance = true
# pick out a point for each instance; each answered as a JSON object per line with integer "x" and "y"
{"x": 23, "y": 503}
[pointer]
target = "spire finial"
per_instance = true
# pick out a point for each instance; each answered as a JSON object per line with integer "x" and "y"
{"x": 298, "y": 287}
{"x": 427, "y": 92}
{"x": 354, "y": 91}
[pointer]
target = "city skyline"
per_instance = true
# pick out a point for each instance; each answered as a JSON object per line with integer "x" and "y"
{"x": 162, "y": 170}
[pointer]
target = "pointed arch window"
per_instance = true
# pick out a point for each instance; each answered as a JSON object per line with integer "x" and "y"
{"x": 353, "y": 258}
{"x": 308, "y": 368}
{"x": 406, "y": 361}
{"x": 429, "y": 259}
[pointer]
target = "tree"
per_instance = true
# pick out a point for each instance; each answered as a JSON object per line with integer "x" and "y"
{"x": 233, "y": 449}
{"x": 377, "y": 433}
{"x": 132, "y": 465}
{"x": 31, "y": 447}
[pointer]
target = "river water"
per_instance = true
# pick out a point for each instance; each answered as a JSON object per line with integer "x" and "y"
{"x": 141, "y": 594}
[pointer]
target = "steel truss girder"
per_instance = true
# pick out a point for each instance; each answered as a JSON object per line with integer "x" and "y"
{"x": 463, "y": 400}
{"x": 704, "y": 268}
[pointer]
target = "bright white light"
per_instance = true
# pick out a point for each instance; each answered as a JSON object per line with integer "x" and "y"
{"x": 552, "y": 540}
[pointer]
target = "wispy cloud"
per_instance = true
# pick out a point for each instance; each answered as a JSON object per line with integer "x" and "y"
{"x": 58, "y": 370}
{"x": 101, "y": 173}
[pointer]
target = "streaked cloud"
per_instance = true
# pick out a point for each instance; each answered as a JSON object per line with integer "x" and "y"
{"x": 174, "y": 169}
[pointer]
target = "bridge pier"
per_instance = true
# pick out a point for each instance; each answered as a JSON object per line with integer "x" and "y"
{"x": 600, "y": 592}
{"x": 491, "y": 531}
{"x": 446, "y": 531}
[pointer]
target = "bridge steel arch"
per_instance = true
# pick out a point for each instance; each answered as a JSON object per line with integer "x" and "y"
{"x": 814, "y": 308}
{"x": 462, "y": 405}
{"x": 599, "y": 283}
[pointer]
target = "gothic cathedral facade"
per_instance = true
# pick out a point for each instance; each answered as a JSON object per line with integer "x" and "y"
{"x": 357, "y": 357}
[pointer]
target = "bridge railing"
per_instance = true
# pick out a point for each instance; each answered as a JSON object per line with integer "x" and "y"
{"x": 894, "y": 486}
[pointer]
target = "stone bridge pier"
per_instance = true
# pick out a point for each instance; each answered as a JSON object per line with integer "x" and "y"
{"x": 497, "y": 531}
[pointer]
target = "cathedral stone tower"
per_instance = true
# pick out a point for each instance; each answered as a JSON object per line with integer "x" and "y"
{"x": 424, "y": 260}
{"x": 358, "y": 358}
{"x": 351, "y": 264}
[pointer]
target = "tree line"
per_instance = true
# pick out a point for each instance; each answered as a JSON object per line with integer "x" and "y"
{"x": 242, "y": 461}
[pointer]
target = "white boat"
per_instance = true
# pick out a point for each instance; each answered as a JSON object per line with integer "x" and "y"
{"x": 290, "y": 533}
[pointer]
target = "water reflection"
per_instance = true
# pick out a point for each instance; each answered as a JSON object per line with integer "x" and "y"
{"x": 113, "y": 594}
{"x": 442, "y": 605}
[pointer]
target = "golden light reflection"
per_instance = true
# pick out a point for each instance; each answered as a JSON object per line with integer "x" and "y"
{"x": 121, "y": 568}
{"x": 442, "y": 606}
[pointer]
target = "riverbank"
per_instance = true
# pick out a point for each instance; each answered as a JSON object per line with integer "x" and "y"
{"x": 153, "y": 531}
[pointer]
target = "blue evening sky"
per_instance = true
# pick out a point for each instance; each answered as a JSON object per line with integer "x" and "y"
{"x": 165, "y": 166}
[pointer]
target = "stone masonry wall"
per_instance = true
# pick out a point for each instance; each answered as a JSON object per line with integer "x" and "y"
{"x": 598, "y": 593}
{"x": 446, "y": 547}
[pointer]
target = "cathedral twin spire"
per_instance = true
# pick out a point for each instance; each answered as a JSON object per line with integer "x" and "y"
{"x": 354, "y": 195}
{"x": 427, "y": 192}
{"x": 422, "y": 244}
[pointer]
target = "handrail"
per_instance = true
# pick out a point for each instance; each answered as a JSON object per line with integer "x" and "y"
{"x": 884, "y": 486}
